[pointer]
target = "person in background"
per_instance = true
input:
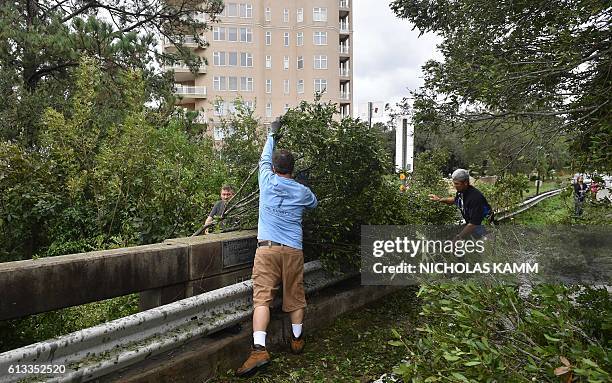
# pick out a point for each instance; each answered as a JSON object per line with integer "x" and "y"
{"x": 227, "y": 193}
{"x": 470, "y": 201}
{"x": 580, "y": 190}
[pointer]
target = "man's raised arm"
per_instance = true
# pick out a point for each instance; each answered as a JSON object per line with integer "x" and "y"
{"x": 265, "y": 162}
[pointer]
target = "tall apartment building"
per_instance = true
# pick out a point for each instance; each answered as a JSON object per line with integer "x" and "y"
{"x": 272, "y": 55}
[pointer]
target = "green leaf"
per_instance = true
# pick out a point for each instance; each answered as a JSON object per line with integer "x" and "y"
{"x": 460, "y": 376}
{"x": 550, "y": 338}
{"x": 396, "y": 334}
{"x": 589, "y": 362}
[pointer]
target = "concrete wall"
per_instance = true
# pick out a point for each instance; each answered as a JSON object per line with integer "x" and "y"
{"x": 163, "y": 272}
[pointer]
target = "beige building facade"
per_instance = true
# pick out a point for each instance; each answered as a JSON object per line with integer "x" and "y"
{"x": 272, "y": 54}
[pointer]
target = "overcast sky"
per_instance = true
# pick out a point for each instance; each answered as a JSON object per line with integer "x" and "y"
{"x": 388, "y": 54}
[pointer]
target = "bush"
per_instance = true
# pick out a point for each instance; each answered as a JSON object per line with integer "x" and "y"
{"x": 476, "y": 333}
{"x": 94, "y": 183}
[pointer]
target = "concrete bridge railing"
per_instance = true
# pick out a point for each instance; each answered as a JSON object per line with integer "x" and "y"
{"x": 161, "y": 273}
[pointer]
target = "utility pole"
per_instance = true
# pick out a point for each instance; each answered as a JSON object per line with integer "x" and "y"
{"x": 370, "y": 107}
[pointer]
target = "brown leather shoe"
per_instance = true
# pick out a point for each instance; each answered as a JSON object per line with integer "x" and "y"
{"x": 297, "y": 344}
{"x": 258, "y": 358}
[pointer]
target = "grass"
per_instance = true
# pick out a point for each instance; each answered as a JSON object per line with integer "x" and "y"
{"x": 353, "y": 349}
{"x": 546, "y": 186}
{"x": 559, "y": 210}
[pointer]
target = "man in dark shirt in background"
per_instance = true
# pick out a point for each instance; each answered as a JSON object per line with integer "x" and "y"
{"x": 227, "y": 192}
{"x": 470, "y": 201}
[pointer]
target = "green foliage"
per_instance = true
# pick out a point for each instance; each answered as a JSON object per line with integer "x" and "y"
{"x": 96, "y": 183}
{"x": 35, "y": 328}
{"x": 476, "y": 333}
{"x": 348, "y": 169}
{"x": 427, "y": 179}
{"x": 42, "y": 43}
{"x": 507, "y": 192}
{"x": 538, "y": 66}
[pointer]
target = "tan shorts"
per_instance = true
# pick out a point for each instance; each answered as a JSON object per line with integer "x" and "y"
{"x": 276, "y": 264}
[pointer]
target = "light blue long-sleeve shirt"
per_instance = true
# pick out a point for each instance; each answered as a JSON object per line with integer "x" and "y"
{"x": 281, "y": 203}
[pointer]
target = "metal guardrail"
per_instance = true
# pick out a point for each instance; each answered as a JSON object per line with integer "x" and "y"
{"x": 526, "y": 205}
{"x": 97, "y": 351}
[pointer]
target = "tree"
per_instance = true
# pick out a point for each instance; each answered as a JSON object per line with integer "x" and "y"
{"x": 348, "y": 166}
{"x": 94, "y": 183}
{"x": 42, "y": 42}
{"x": 529, "y": 62}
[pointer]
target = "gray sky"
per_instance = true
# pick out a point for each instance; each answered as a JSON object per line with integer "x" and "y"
{"x": 388, "y": 54}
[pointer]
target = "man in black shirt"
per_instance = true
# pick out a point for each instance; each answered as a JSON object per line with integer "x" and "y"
{"x": 227, "y": 192}
{"x": 470, "y": 201}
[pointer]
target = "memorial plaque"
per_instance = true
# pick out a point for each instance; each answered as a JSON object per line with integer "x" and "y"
{"x": 238, "y": 252}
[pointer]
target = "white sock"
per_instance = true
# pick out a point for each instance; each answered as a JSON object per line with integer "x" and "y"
{"x": 259, "y": 337}
{"x": 297, "y": 330}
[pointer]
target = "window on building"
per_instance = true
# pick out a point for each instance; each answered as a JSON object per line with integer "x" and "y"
{"x": 320, "y": 62}
{"x": 249, "y": 105}
{"x": 320, "y": 85}
{"x": 218, "y": 33}
{"x": 246, "y": 35}
{"x": 285, "y": 15}
{"x": 268, "y": 38}
{"x": 231, "y": 107}
{"x": 286, "y": 63}
{"x": 300, "y": 15}
{"x": 286, "y": 39}
{"x": 232, "y": 58}
{"x": 268, "y": 62}
{"x": 299, "y": 38}
{"x": 286, "y": 86}
{"x": 300, "y": 62}
{"x": 246, "y": 11}
{"x": 219, "y": 58}
{"x": 232, "y": 83}
{"x": 269, "y": 109}
{"x": 219, "y": 83}
{"x": 286, "y": 108}
{"x": 320, "y": 38}
{"x": 300, "y": 86}
{"x": 319, "y": 14}
{"x": 246, "y": 84}
{"x": 268, "y": 86}
{"x": 219, "y": 108}
{"x": 268, "y": 13}
{"x": 231, "y": 9}
{"x": 246, "y": 59}
{"x": 218, "y": 132}
{"x": 232, "y": 34}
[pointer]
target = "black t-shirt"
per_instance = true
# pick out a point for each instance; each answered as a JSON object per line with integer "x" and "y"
{"x": 218, "y": 209}
{"x": 473, "y": 205}
{"x": 580, "y": 190}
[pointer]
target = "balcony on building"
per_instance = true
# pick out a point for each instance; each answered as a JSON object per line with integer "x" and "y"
{"x": 345, "y": 95}
{"x": 344, "y": 49}
{"x": 344, "y": 7}
{"x": 345, "y": 72}
{"x": 189, "y": 93}
{"x": 344, "y": 26}
{"x": 189, "y": 41}
{"x": 345, "y": 110}
{"x": 182, "y": 72}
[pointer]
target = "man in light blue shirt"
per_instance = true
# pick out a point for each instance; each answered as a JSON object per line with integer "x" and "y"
{"x": 279, "y": 257}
